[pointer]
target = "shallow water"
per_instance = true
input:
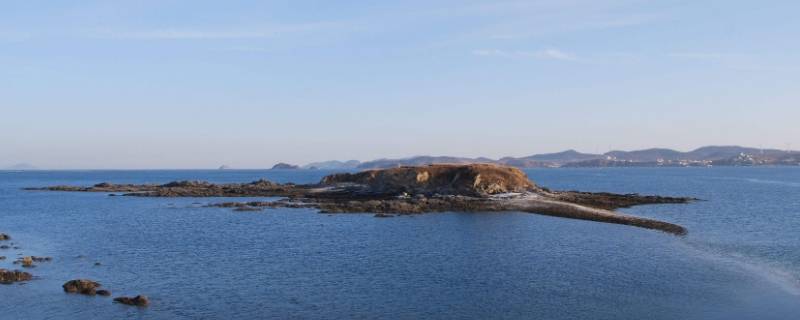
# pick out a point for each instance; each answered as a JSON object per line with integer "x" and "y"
{"x": 741, "y": 259}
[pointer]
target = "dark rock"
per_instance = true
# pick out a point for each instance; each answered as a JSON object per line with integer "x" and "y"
{"x": 245, "y": 209}
{"x": 5, "y": 247}
{"x": 82, "y": 286}
{"x": 4, "y": 237}
{"x": 383, "y": 215}
{"x": 104, "y": 293}
{"x": 139, "y": 300}
{"x": 2, "y": 257}
{"x": 97, "y": 264}
{"x": 8, "y": 276}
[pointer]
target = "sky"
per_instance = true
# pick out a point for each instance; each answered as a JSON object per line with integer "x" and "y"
{"x": 198, "y": 84}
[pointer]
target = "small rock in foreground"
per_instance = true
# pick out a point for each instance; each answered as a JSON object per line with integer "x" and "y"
{"x": 82, "y": 286}
{"x": 8, "y": 276}
{"x": 139, "y": 300}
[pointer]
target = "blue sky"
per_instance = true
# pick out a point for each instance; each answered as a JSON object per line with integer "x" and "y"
{"x": 198, "y": 84}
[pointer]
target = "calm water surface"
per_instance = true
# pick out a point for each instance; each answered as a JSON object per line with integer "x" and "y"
{"x": 741, "y": 259}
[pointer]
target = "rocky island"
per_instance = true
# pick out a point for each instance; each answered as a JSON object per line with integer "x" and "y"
{"x": 413, "y": 190}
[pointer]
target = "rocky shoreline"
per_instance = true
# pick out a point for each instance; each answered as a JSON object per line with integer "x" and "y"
{"x": 412, "y": 190}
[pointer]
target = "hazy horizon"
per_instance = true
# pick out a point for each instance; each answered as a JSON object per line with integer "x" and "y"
{"x": 199, "y": 84}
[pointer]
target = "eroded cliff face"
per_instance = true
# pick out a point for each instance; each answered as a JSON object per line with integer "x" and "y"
{"x": 445, "y": 179}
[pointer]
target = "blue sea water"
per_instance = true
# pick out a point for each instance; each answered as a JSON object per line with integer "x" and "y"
{"x": 740, "y": 260}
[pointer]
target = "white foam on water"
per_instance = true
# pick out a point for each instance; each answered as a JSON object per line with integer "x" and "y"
{"x": 775, "y": 182}
{"x": 770, "y": 272}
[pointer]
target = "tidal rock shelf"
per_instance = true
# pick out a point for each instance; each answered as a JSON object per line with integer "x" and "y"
{"x": 413, "y": 190}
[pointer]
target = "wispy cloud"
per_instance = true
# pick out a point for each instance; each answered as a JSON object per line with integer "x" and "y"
{"x": 212, "y": 34}
{"x": 701, "y": 55}
{"x": 545, "y": 54}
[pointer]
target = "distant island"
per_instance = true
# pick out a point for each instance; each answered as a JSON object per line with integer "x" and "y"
{"x": 656, "y": 157}
{"x": 285, "y": 166}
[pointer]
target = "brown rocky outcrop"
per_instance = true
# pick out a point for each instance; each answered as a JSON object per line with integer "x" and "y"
{"x": 81, "y": 286}
{"x": 9, "y": 276}
{"x": 445, "y": 179}
{"x": 140, "y": 300}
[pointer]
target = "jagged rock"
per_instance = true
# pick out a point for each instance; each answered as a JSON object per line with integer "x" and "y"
{"x": 82, "y": 286}
{"x": 9, "y": 276}
{"x": 140, "y": 300}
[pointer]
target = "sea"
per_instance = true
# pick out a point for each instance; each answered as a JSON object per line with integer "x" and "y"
{"x": 740, "y": 259}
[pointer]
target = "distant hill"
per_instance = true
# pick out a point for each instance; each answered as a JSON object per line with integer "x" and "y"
{"x": 333, "y": 165}
{"x": 285, "y": 166}
{"x": 550, "y": 158}
{"x": 654, "y": 157}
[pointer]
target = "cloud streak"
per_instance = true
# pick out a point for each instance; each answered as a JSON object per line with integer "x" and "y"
{"x": 213, "y": 34}
{"x": 544, "y": 54}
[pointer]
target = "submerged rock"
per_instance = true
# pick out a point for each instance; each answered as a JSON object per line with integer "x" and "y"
{"x": 9, "y": 276}
{"x": 28, "y": 261}
{"x": 104, "y": 293}
{"x": 383, "y": 215}
{"x": 140, "y": 300}
{"x": 81, "y": 286}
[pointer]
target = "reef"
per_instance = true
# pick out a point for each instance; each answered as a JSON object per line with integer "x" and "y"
{"x": 413, "y": 190}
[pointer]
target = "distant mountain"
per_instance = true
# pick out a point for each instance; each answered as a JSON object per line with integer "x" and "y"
{"x": 284, "y": 166}
{"x": 654, "y": 157}
{"x": 224, "y": 167}
{"x": 558, "y": 157}
{"x": 333, "y": 165}
{"x": 22, "y": 166}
